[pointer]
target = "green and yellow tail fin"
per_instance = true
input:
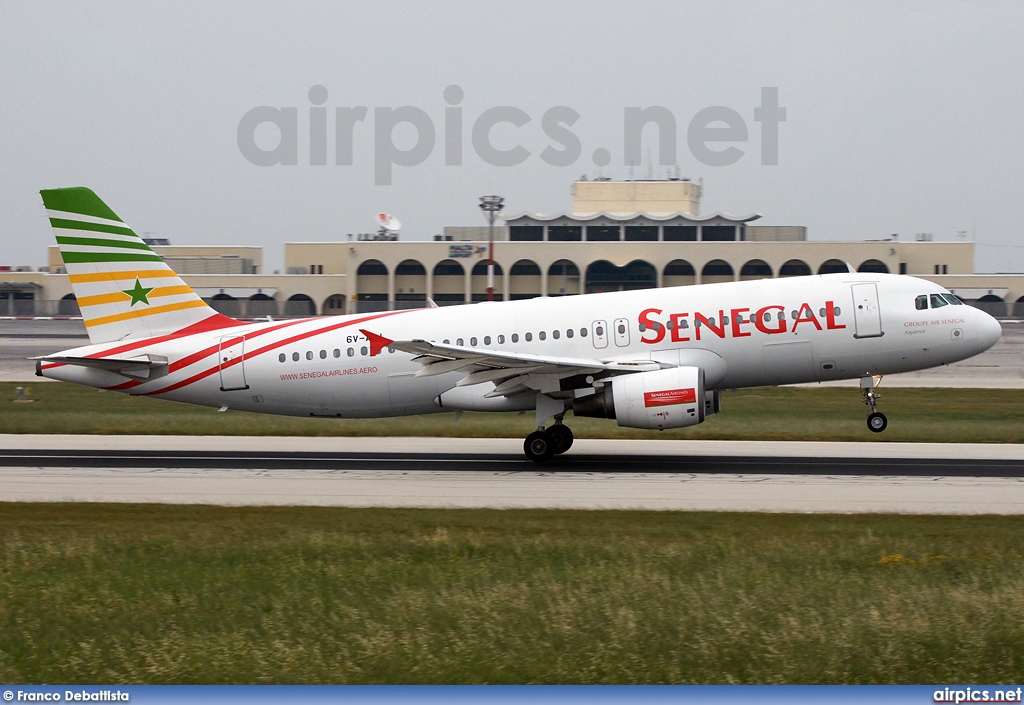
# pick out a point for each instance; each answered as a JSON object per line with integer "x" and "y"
{"x": 124, "y": 289}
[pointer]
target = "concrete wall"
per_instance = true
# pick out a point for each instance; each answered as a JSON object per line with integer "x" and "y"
{"x": 636, "y": 196}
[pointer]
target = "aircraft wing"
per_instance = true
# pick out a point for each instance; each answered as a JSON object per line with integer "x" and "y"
{"x": 510, "y": 372}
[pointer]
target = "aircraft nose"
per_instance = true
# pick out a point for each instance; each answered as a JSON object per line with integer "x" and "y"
{"x": 988, "y": 329}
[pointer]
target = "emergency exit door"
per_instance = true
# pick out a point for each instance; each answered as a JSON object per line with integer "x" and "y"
{"x": 866, "y": 314}
{"x": 231, "y": 359}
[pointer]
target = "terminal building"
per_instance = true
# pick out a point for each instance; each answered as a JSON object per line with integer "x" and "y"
{"x": 618, "y": 235}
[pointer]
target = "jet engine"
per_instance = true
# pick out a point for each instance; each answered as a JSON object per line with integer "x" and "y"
{"x": 671, "y": 398}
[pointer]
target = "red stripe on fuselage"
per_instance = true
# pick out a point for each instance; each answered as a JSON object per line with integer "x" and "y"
{"x": 266, "y": 348}
{"x": 215, "y": 322}
{"x": 206, "y": 352}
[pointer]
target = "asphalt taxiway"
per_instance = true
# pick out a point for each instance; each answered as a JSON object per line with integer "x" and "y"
{"x": 492, "y": 473}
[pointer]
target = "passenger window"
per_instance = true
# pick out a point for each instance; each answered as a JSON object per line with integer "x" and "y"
{"x": 921, "y": 302}
{"x": 839, "y": 311}
{"x": 951, "y": 298}
{"x": 309, "y": 354}
{"x": 684, "y": 323}
{"x": 337, "y": 353}
{"x": 938, "y": 301}
{"x": 363, "y": 351}
{"x": 472, "y": 341}
{"x": 555, "y": 334}
{"x": 780, "y": 316}
{"x": 599, "y": 331}
{"x": 323, "y": 354}
{"x": 583, "y": 332}
{"x": 501, "y": 339}
{"x": 515, "y": 337}
{"x": 295, "y": 357}
{"x": 458, "y": 341}
{"x": 529, "y": 337}
{"x": 487, "y": 340}
{"x": 351, "y": 352}
{"x": 281, "y": 357}
{"x": 542, "y": 335}
{"x": 622, "y": 329}
{"x": 642, "y": 327}
{"x": 447, "y": 342}
{"x": 568, "y": 333}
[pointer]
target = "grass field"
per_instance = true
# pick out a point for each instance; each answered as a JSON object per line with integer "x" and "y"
{"x": 782, "y": 413}
{"x": 163, "y": 594}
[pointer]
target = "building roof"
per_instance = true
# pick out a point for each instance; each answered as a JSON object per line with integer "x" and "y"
{"x": 586, "y": 217}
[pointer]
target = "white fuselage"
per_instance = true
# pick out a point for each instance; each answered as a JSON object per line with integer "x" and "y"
{"x": 836, "y": 326}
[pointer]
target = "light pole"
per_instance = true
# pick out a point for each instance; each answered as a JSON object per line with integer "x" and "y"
{"x": 491, "y": 206}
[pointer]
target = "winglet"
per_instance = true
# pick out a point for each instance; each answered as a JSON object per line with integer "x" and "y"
{"x": 377, "y": 342}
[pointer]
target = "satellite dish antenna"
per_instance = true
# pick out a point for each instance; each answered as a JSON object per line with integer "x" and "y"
{"x": 388, "y": 222}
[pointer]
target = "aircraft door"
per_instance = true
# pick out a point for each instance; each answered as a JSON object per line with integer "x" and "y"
{"x": 231, "y": 360}
{"x": 599, "y": 334}
{"x": 621, "y": 330}
{"x": 866, "y": 314}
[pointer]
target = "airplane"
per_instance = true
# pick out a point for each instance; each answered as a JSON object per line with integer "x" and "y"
{"x": 650, "y": 359}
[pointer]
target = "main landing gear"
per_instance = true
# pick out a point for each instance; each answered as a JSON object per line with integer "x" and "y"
{"x": 543, "y": 444}
{"x": 876, "y": 419}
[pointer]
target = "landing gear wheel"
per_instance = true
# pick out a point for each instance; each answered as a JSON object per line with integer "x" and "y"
{"x": 561, "y": 438}
{"x": 538, "y": 446}
{"x": 877, "y": 422}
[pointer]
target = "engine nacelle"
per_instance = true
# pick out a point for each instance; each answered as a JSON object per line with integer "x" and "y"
{"x": 671, "y": 398}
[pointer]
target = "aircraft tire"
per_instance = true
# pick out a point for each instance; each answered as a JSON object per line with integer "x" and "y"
{"x": 561, "y": 438}
{"x": 538, "y": 446}
{"x": 877, "y": 422}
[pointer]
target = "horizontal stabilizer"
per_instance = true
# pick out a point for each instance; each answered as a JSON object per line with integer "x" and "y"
{"x": 140, "y": 368}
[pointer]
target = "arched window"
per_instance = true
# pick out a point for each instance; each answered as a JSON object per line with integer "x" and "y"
{"x": 299, "y": 305}
{"x": 832, "y": 266}
{"x": 226, "y": 304}
{"x": 717, "y": 270}
{"x": 371, "y": 287}
{"x": 524, "y": 280}
{"x": 449, "y": 283}
{"x": 795, "y": 268}
{"x": 68, "y": 306}
{"x": 873, "y": 265}
{"x": 563, "y": 278}
{"x": 479, "y": 282}
{"x": 679, "y": 272}
{"x": 410, "y": 284}
{"x": 260, "y": 305}
{"x": 755, "y": 269}
{"x": 605, "y": 276}
{"x": 334, "y": 305}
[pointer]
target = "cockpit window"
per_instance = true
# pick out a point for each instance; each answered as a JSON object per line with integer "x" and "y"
{"x": 938, "y": 301}
{"x": 951, "y": 298}
{"x": 921, "y": 302}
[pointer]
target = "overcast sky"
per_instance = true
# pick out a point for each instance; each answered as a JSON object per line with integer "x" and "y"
{"x": 900, "y": 117}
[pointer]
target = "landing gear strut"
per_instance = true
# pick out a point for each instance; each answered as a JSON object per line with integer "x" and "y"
{"x": 543, "y": 443}
{"x": 876, "y": 419}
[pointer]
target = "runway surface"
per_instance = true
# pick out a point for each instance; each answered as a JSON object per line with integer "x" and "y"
{"x": 1001, "y": 367}
{"x": 491, "y": 473}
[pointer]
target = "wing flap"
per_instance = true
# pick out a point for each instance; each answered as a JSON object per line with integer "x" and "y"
{"x": 511, "y": 372}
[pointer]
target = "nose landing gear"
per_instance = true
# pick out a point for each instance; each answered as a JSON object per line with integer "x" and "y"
{"x": 876, "y": 419}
